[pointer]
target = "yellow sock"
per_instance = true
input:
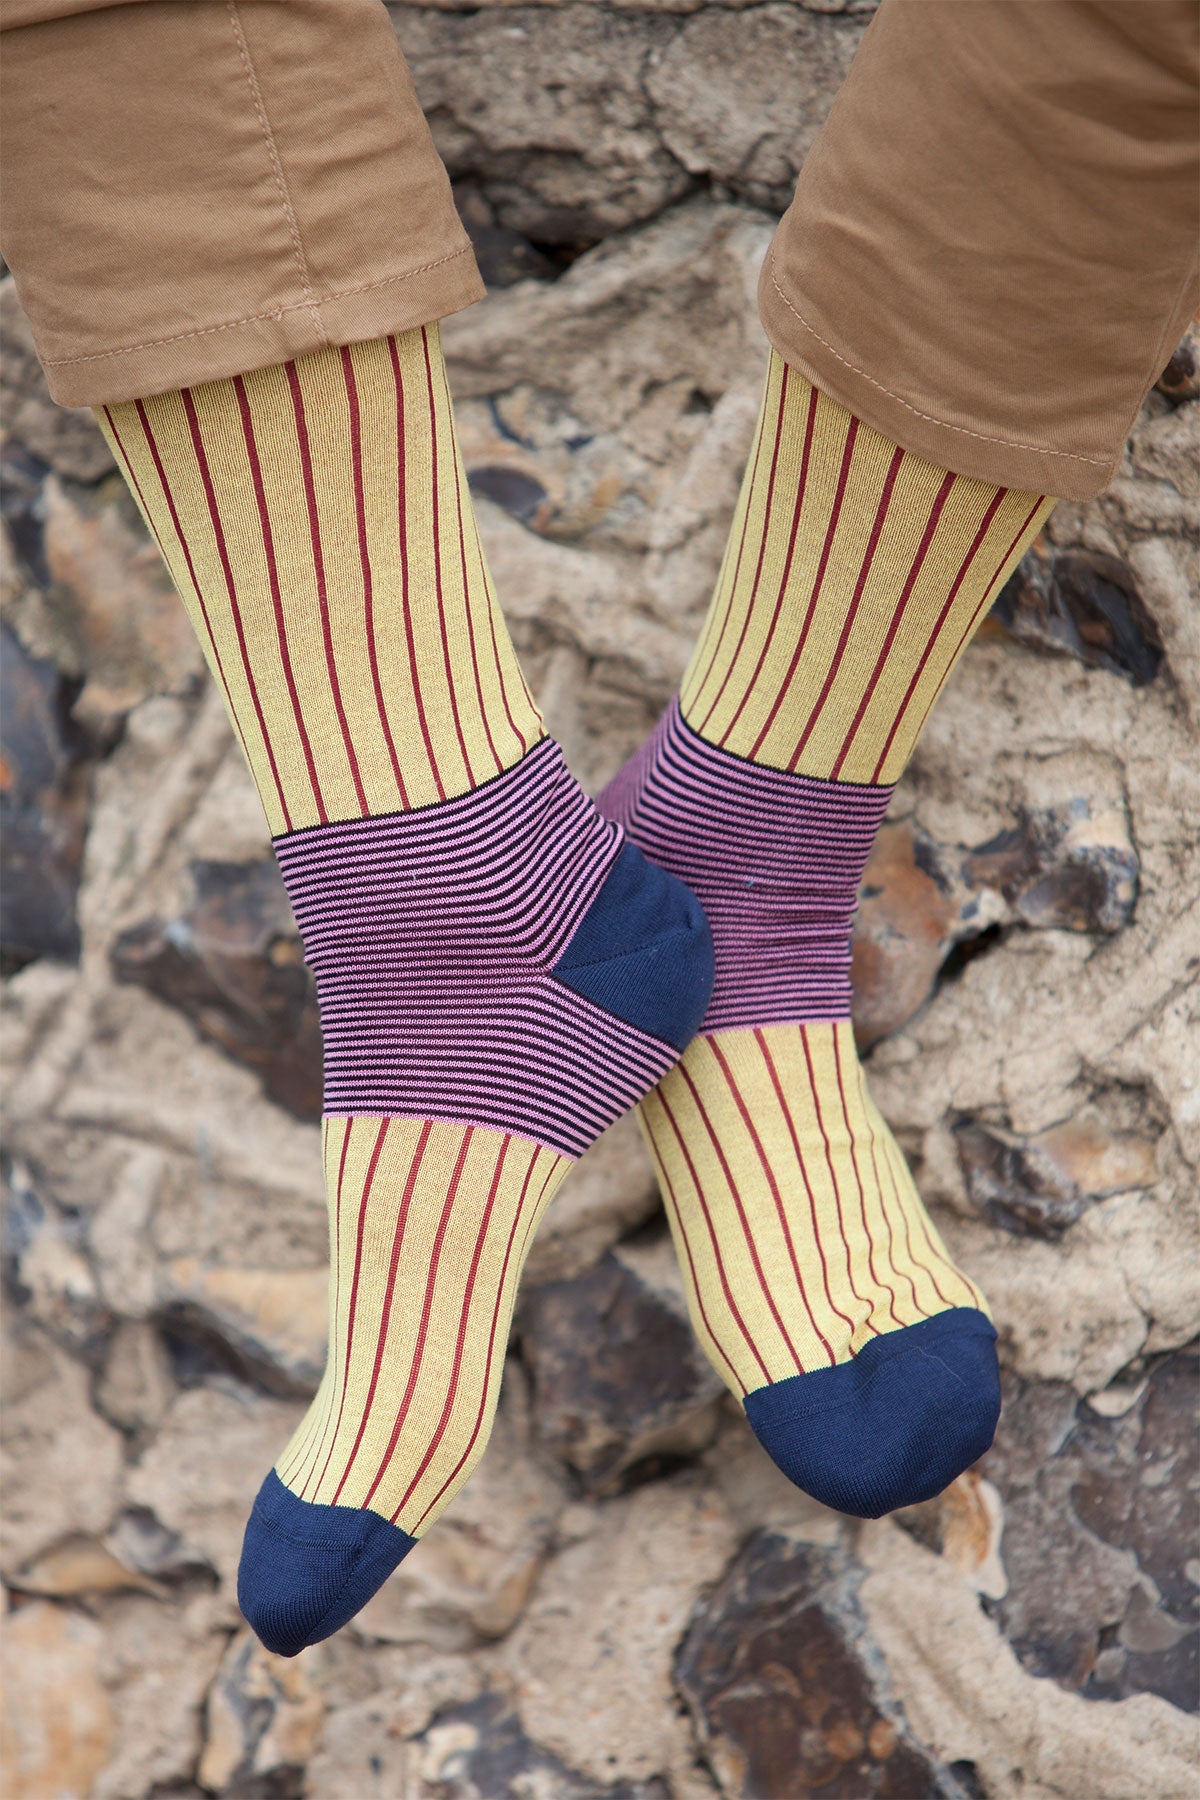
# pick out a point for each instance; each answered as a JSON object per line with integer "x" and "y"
{"x": 316, "y": 520}
{"x": 490, "y": 955}
{"x": 854, "y": 577}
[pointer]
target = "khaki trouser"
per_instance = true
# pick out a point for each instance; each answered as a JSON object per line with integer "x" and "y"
{"x": 992, "y": 251}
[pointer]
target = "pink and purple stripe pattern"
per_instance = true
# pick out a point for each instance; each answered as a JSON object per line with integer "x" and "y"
{"x": 774, "y": 858}
{"x": 433, "y": 936}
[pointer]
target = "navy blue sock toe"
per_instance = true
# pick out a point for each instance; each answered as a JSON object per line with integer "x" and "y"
{"x": 895, "y": 1425}
{"x": 307, "y": 1569}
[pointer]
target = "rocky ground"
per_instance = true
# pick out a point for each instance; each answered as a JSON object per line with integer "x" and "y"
{"x": 627, "y": 1603}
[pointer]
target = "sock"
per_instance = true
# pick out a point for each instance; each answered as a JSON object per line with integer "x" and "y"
{"x": 500, "y": 972}
{"x": 818, "y": 1284}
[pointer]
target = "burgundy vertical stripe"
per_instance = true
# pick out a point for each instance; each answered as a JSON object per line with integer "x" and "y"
{"x": 169, "y": 498}
{"x": 492, "y": 607}
{"x": 913, "y": 1258}
{"x": 385, "y": 1319}
{"x": 487, "y": 1365}
{"x": 135, "y": 484}
{"x": 264, "y": 520}
{"x": 318, "y": 556}
{"x": 904, "y": 1223}
{"x": 352, "y": 1312}
{"x": 862, "y": 1089}
{"x": 467, "y": 600}
{"x": 892, "y": 1153}
{"x": 880, "y": 1284}
{"x": 405, "y": 586}
{"x": 818, "y": 583}
{"x": 985, "y": 602}
{"x": 435, "y": 503}
{"x": 463, "y": 1319}
{"x": 943, "y": 495}
{"x": 992, "y": 509}
{"x": 468, "y": 609}
{"x": 758, "y": 567}
{"x": 414, "y": 1370}
{"x": 364, "y": 558}
{"x": 677, "y": 1210}
{"x": 223, "y": 552}
{"x": 301, "y": 1467}
{"x": 184, "y": 546}
{"x": 855, "y": 602}
{"x": 889, "y": 1147}
{"x": 763, "y": 1283}
{"x": 812, "y": 1203}
{"x": 711, "y": 630}
{"x": 748, "y": 1122}
{"x": 337, "y": 1237}
{"x": 299, "y": 1461}
{"x": 749, "y": 686}
{"x": 837, "y": 1192}
{"x": 314, "y": 1428}
{"x": 698, "y": 1186}
{"x": 315, "y": 1425}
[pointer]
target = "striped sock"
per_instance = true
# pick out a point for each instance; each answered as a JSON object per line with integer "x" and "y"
{"x": 818, "y": 1284}
{"x": 500, "y": 972}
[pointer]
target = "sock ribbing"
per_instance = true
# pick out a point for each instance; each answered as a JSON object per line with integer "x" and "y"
{"x": 856, "y": 574}
{"x": 316, "y": 520}
{"x": 430, "y": 1224}
{"x": 793, "y": 1211}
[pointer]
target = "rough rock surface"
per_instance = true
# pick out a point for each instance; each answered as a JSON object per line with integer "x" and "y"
{"x": 619, "y": 1380}
{"x": 785, "y": 1688}
{"x": 628, "y": 1602}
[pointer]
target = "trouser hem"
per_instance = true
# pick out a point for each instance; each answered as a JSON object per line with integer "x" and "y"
{"x": 964, "y": 446}
{"x": 233, "y": 347}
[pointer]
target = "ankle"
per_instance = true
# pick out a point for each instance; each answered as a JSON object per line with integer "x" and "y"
{"x": 775, "y": 859}
{"x": 503, "y": 958}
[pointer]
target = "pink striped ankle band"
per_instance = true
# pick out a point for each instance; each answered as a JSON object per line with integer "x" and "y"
{"x": 774, "y": 858}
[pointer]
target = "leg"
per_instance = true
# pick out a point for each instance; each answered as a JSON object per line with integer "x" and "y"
{"x": 500, "y": 973}
{"x": 915, "y": 405}
{"x": 819, "y": 1285}
{"x": 998, "y": 291}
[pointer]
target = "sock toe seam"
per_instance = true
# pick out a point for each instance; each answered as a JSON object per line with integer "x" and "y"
{"x": 939, "y": 1363}
{"x": 660, "y": 938}
{"x": 811, "y": 1410}
{"x": 299, "y": 1543}
{"x": 350, "y": 1574}
{"x": 315, "y": 1638}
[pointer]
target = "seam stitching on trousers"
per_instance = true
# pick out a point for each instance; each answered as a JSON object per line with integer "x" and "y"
{"x": 1096, "y": 462}
{"x": 273, "y": 152}
{"x": 274, "y": 312}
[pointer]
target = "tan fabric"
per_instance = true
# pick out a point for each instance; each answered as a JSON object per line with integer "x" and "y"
{"x": 995, "y": 241}
{"x": 991, "y": 254}
{"x": 195, "y": 189}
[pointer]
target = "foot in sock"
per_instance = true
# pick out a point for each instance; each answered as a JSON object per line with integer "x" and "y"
{"x": 817, "y": 1282}
{"x": 500, "y": 972}
{"x": 500, "y": 976}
